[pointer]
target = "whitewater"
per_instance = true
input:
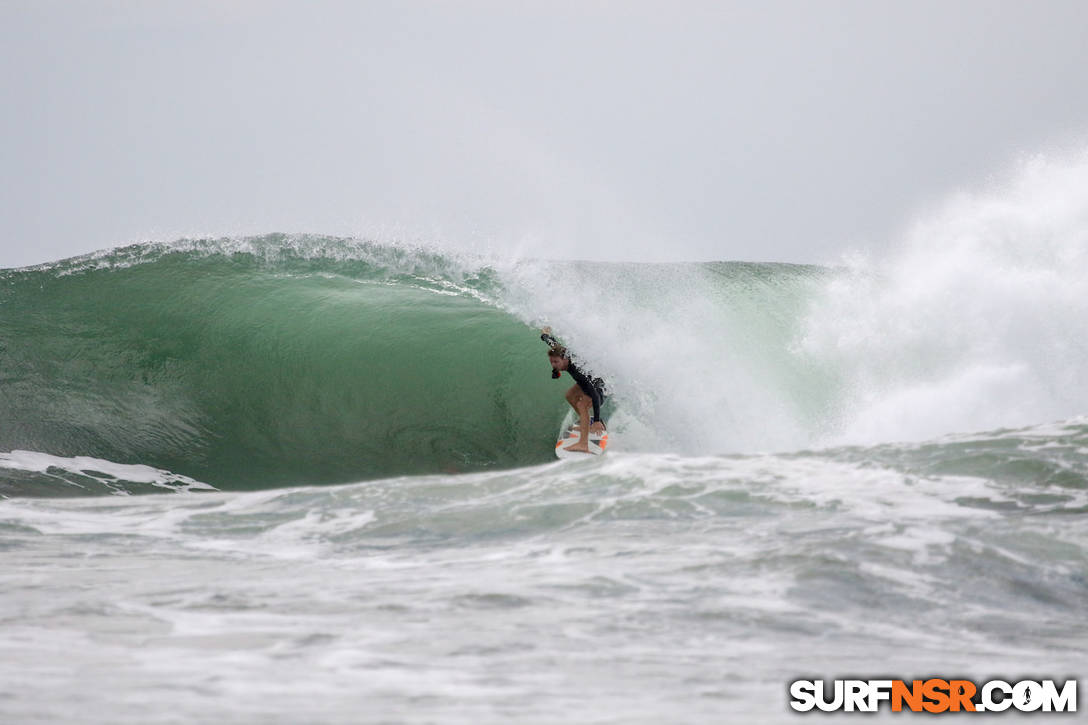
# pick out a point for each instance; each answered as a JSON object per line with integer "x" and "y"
{"x": 297, "y": 478}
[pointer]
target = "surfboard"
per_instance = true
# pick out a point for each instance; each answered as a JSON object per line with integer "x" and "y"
{"x": 569, "y": 435}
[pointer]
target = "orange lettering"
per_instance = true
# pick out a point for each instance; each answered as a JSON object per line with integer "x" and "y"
{"x": 936, "y": 691}
{"x": 912, "y": 695}
{"x": 961, "y": 692}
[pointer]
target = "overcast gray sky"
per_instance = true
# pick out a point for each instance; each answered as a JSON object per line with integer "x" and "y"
{"x": 780, "y": 131}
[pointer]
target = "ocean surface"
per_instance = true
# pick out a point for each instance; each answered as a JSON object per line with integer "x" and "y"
{"x": 300, "y": 479}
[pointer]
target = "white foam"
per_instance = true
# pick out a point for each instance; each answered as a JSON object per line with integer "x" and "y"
{"x": 105, "y": 472}
{"x": 975, "y": 322}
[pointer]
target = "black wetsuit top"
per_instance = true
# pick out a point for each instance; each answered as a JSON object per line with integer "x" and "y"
{"x": 590, "y": 386}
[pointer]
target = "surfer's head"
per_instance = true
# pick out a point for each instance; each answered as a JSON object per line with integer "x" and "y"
{"x": 559, "y": 359}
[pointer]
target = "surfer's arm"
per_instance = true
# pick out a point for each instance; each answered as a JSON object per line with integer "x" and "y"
{"x": 546, "y": 336}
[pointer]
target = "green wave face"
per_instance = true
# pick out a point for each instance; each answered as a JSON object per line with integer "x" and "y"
{"x": 277, "y": 362}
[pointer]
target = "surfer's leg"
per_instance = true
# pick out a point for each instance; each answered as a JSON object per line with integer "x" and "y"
{"x": 573, "y": 395}
{"x": 582, "y": 405}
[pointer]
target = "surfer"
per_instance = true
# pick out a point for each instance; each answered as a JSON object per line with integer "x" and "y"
{"x": 585, "y": 392}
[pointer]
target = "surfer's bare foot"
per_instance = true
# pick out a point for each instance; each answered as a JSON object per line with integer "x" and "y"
{"x": 578, "y": 448}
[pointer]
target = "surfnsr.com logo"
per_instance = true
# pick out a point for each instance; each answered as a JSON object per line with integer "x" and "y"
{"x": 933, "y": 695}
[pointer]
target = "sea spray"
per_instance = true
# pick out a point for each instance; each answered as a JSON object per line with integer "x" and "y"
{"x": 976, "y": 321}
